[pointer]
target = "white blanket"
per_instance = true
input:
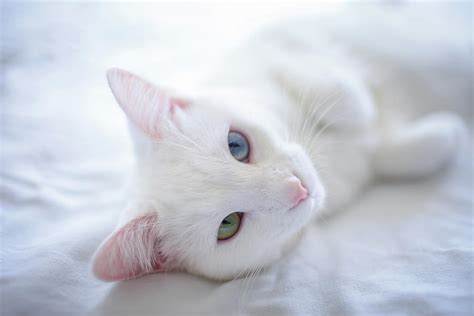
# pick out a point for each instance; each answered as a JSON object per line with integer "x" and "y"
{"x": 403, "y": 249}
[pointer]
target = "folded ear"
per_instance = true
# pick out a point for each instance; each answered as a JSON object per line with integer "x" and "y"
{"x": 131, "y": 251}
{"x": 144, "y": 104}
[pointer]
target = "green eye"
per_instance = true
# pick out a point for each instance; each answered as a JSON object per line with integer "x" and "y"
{"x": 229, "y": 226}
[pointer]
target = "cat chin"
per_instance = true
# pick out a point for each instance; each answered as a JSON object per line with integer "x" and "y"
{"x": 312, "y": 207}
{"x": 293, "y": 241}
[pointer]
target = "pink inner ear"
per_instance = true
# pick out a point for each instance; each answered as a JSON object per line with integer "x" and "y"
{"x": 132, "y": 251}
{"x": 180, "y": 102}
{"x": 145, "y": 105}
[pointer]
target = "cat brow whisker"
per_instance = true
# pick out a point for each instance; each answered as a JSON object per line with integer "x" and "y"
{"x": 315, "y": 106}
{"x": 176, "y": 132}
{"x": 320, "y": 133}
{"x": 326, "y": 111}
{"x": 189, "y": 149}
{"x": 313, "y": 109}
{"x": 299, "y": 116}
{"x": 189, "y": 144}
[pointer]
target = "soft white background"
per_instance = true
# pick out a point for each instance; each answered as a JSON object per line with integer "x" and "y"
{"x": 404, "y": 248}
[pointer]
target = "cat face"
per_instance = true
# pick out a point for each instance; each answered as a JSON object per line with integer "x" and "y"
{"x": 219, "y": 192}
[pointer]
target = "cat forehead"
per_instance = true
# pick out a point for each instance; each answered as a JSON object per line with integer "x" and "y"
{"x": 241, "y": 115}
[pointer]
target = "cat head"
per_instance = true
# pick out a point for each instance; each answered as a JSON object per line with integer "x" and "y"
{"x": 219, "y": 189}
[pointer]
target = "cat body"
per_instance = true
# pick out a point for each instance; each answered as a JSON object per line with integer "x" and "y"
{"x": 317, "y": 132}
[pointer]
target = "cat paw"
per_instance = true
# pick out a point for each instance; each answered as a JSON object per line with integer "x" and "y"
{"x": 445, "y": 133}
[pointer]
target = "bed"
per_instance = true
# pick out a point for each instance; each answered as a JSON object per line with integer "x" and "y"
{"x": 405, "y": 248}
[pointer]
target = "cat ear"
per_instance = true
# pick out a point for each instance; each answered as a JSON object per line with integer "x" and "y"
{"x": 131, "y": 251}
{"x": 144, "y": 104}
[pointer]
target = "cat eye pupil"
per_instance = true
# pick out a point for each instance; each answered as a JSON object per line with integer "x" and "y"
{"x": 238, "y": 146}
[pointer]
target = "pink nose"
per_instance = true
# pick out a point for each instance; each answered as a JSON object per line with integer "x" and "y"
{"x": 300, "y": 195}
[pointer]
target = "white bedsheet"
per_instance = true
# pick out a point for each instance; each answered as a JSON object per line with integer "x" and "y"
{"x": 403, "y": 249}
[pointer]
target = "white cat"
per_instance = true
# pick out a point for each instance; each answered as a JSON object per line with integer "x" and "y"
{"x": 231, "y": 168}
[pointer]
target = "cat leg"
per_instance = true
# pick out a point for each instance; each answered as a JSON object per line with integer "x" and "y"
{"x": 421, "y": 148}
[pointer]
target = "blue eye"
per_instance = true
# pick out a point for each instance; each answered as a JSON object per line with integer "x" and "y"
{"x": 238, "y": 146}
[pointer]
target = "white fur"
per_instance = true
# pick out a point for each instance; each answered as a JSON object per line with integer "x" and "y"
{"x": 306, "y": 116}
